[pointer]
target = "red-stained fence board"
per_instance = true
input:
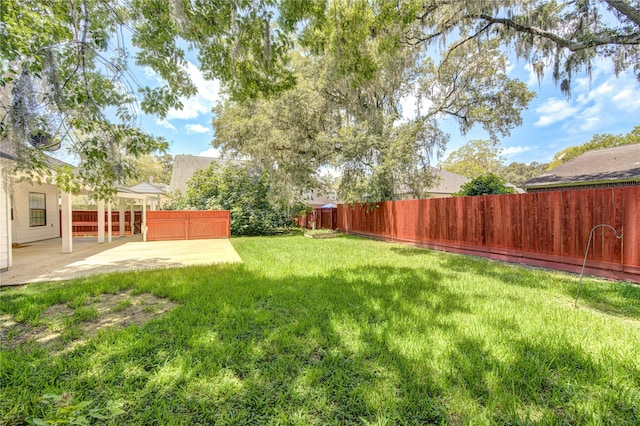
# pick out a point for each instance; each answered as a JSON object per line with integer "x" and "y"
{"x": 188, "y": 225}
{"x": 631, "y": 248}
{"x": 530, "y": 228}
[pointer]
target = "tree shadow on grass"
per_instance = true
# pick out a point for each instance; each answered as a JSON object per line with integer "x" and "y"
{"x": 621, "y": 299}
{"x": 354, "y": 345}
{"x": 508, "y": 273}
{"x": 615, "y": 298}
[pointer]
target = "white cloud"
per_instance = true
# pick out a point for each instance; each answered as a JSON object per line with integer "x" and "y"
{"x": 590, "y": 118}
{"x": 196, "y": 128}
{"x": 554, "y": 110}
{"x": 151, "y": 74}
{"x": 596, "y": 103}
{"x": 165, "y": 124}
{"x": 211, "y": 152}
{"x": 208, "y": 95}
{"x": 514, "y": 150}
{"x": 628, "y": 98}
{"x": 600, "y": 93}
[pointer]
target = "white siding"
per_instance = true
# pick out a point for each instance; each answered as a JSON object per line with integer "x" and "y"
{"x": 25, "y": 233}
{"x": 5, "y": 217}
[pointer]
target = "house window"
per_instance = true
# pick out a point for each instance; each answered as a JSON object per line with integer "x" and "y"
{"x": 37, "y": 209}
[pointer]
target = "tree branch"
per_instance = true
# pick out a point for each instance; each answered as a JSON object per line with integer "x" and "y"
{"x": 573, "y": 46}
{"x": 625, "y": 9}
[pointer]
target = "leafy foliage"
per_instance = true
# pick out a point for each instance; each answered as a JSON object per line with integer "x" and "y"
{"x": 565, "y": 36}
{"x": 327, "y": 120}
{"x": 152, "y": 167}
{"x": 242, "y": 191}
{"x": 480, "y": 157}
{"x": 518, "y": 173}
{"x": 597, "y": 142}
{"x": 475, "y": 158}
{"x": 65, "y": 73}
{"x": 488, "y": 184}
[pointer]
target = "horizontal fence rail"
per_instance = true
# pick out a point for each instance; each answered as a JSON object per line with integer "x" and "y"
{"x": 549, "y": 229}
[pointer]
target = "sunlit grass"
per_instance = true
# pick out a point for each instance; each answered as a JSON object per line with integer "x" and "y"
{"x": 343, "y": 330}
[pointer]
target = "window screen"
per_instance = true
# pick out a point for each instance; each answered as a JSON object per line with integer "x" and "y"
{"x": 37, "y": 209}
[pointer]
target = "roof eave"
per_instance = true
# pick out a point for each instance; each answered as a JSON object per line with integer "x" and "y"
{"x": 581, "y": 183}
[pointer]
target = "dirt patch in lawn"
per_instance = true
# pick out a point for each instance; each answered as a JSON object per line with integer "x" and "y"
{"x": 61, "y": 327}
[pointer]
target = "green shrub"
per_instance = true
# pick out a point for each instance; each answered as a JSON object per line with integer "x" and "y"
{"x": 488, "y": 184}
{"x": 239, "y": 189}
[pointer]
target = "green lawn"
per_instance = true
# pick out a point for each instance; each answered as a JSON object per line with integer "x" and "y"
{"x": 339, "y": 331}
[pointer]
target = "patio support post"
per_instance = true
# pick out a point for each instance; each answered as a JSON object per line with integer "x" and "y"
{"x": 121, "y": 224}
{"x": 6, "y": 255}
{"x": 109, "y": 223}
{"x": 132, "y": 219}
{"x": 144, "y": 218}
{"x": 67, "y": 223}
{"x": 101, "y": 221}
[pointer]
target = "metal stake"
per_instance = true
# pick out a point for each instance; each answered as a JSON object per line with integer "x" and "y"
{"x": 587, "y": 252}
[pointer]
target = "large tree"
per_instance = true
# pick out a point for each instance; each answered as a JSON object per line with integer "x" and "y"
{"x": 358, "y": 81}
{"x": 65, "y": 77}
{"x": 518, "y": 173}
{"x": 564, "y": 37}
{"x": 152, "y": 168}
{"x": 475, "y": 158}
{"x": 479, "y": 157}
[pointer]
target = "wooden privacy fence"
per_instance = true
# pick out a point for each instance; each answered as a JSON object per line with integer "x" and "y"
{"x": 188, "y": 225}
{"x": 323, "y": 218}
{"x": 85, "y": 222}
{"x": 549, "y": 229}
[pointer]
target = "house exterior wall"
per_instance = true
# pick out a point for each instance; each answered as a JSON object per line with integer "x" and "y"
{"x": 23, "y": 233}
{"x": 5, "y": 216}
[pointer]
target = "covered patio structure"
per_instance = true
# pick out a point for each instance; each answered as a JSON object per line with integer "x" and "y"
{"x": 149, "y": 195}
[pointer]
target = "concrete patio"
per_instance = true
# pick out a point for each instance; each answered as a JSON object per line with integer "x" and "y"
{"x": 43, "y": 261}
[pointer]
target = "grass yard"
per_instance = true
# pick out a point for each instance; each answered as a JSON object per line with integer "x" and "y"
{"x": 335, "y": 331}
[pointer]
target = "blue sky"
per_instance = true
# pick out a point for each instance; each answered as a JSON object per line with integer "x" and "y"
{"x": 603, "y": 104}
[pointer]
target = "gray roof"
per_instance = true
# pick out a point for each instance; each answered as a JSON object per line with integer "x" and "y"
{"x": 609, "y": 165}
{"x": 446, "y": 183}
{"x": 184, "y": 166}
{"x": 8, "y": 152}
{"x": 145, "y": 188}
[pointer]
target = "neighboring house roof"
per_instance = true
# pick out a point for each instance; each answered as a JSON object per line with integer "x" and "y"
{"x": 7, "y": 152}
{"x": 446, "y": 184}
{"x": 602, "y": 166}
{"x": 146, "y": 188}
{"x": 319, "y": 198}
{"x": 184, "y": 166}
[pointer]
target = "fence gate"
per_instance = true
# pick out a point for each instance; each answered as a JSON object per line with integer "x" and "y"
{"x": 188, "y": 225}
